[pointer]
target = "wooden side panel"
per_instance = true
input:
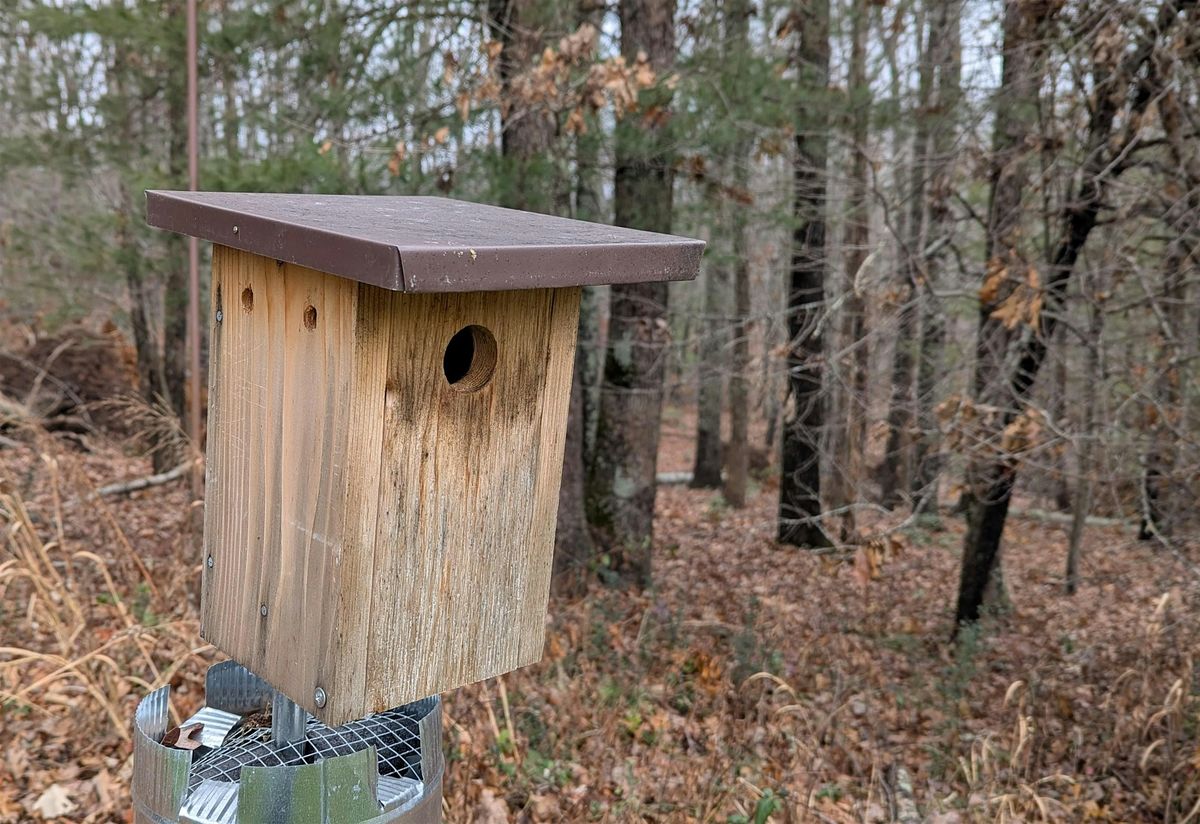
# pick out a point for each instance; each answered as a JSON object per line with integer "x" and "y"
{"x": 468, "y": 494}
{"x": 288, "y": 430}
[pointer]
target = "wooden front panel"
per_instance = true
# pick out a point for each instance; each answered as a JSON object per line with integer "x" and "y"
{"x": 398, "y": 531}
{"x": 468, "y": 493}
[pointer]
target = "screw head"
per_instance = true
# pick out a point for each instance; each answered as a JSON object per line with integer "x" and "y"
{"x": 220, "y": 316}
{"x": 319, "y": 697}
{"x": 209, "y": 562}
{"x": 235, "y": 230}
{"x": 262, "y": 610}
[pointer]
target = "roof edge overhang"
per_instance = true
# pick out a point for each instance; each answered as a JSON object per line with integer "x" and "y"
{"x": 527, "y": 265}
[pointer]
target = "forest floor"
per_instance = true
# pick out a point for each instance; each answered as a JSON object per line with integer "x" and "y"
{"x": 755, "y": 683}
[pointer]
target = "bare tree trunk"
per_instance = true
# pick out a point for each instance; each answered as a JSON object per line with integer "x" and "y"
{"x": 927, "y": 460}
{"x": 1058, "y": 413}
{"x": 989, "y": 481}
{"x": 149, "y": 359}
{"x": 230, "y": 122}
{"x": 1167, "y": 411}
{"x": 737, "y": 24}
{"x": 896, "y": 463}
{"x": 738, "y": 461}
{"x": 528, "y": 133}
{"x": 894, "y": 472}
{"x": 174, "y": 357}
{"x": 1166, "y": 407}
{"x": 631, "y": 398}
{"x": 527, "y": 128}
{"x": 800, "y": 478}
{"x": 945, "y": 56}
{"x": 850, "y": 433}
{"x": 573, "y": 551}
{"x": 589, "y": 356}
{"x": 589, "y": 200}
{"x": 771, "y": 382}
{"x": 710, "y": 371}
{"x": 1083, "y": 486}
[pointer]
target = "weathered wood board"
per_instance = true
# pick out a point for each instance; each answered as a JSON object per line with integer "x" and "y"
{"x": 375, "y": 531}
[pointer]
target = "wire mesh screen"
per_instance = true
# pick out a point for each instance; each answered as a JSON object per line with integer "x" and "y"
{"x": 395, "y": 734}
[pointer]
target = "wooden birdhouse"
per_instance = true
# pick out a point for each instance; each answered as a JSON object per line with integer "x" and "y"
{"x": 388, "y": 390}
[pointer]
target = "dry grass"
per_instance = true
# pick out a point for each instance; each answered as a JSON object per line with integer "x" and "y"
{"x": 88, "y": 629}
{"x": 154, "y": 428}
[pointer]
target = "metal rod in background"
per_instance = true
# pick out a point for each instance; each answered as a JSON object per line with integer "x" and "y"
{"x": 193, "y": 307}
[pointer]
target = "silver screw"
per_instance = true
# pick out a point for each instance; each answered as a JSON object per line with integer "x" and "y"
{"x": 319, "y": 697}
{"x": 262, "y": 610}
{"x": 235, "y": 230}
{"x": 210, "y": 562}
{"x": 220, "y": 316}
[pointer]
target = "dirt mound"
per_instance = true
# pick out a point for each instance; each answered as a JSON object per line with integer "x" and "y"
{"x": 67, "y": 376}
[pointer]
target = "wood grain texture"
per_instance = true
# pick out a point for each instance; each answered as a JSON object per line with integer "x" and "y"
{"x": 398, "y": 531}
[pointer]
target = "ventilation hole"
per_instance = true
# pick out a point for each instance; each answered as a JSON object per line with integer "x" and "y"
{"x": 470, "y": 359}
{"x": 310, "y": 317}
{"x": 248, "y": 299}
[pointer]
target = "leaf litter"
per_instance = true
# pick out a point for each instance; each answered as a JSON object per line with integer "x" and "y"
{"x": 754, "y": 683}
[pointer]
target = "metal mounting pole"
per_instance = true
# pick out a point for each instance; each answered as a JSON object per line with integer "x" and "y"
{"x": 288, "y": 721}
{"x": 193, "y": 305}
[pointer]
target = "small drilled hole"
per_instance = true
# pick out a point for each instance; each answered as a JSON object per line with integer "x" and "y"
{"x": 470, "y": 359}
{"x": 248, "y": 299}
{"x": 310, "y": 317}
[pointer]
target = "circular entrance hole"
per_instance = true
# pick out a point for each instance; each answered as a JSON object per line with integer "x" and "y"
{"x": 470, "y": 359}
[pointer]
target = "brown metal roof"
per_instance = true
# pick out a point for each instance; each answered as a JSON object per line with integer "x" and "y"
{"x": 426, "y": 244}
